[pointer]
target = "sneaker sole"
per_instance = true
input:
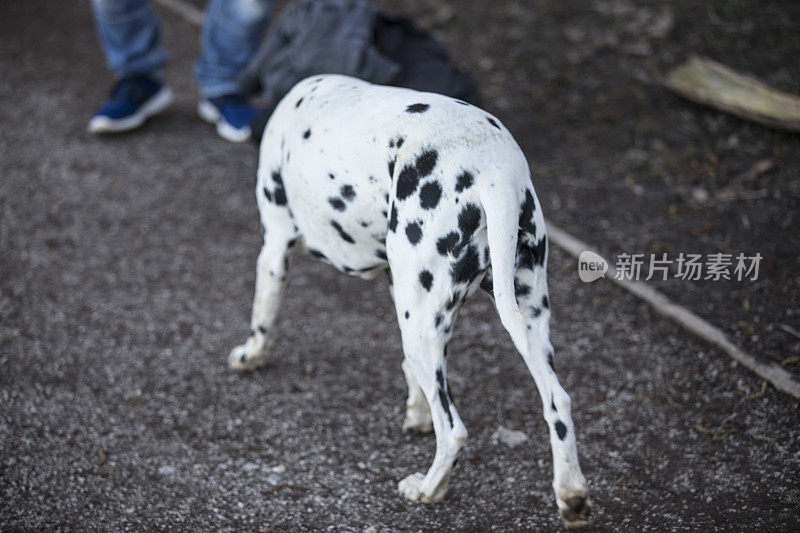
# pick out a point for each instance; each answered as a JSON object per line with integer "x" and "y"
{"x": 157, "y": 103}
{"x": 211, "y": 114}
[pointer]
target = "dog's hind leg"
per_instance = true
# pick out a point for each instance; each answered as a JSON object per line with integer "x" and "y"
{"x": 280, "y": 235}
{"x": 425, "y": 324}
{"x": 418, "y": 414}
{"x": 569, "y": 483}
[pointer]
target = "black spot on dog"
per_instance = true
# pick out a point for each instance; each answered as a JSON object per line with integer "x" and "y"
{"x": 526, "y": 214}
{"x": 386, "y": 197}
{"x": 363, "y": 223}
{"x": 331, "y": 176}
{"x": 407, "y": 182}
{"x": 306, "y": 134}
{"x": 426, "y": 279}
{"x": 561, "y": 429}
{"x": 529, "y": 255}
{"x": 300, "y": 101}
{"x": 267, "y": 195}
{"x": 468, "y": 221}
{"x": 317, "y": 253}
{"x": 380, "y": 254}
{"x": 453, "y": 301}
{"x": 276, "y": 177}
{"x": 342, "y": 233}
{"x": 413, "y": 232}
{"x": 337, "y": 203}
{"x": 400, "y": 141}
{"x": 447, "y": 244}
{"x": 291, "y": 243}
{"x": 550, "y": 361}
{"x": 467, "y": 268}
{"x": 393, "y": 219}
{"x": 553, "y": 403}
{"x": 280, "y": 196}
{"x": 444, "y": 397}
{"x": 426, "y": 162}
{"x": 464, "y": 181}
{"x": 520, "y": 289}
{"x": 263, "y": 329}
{"x": 391, "y": 143}
{"x": 536, "y": 311}
{"x": 429, "y": 195}
{"x": 407, "y": 314}
{"x": 545, "y": 302}
{"x": 487, "y": 284}
{"x": 437, "y": 320}
{"x": 492, "y": 122}
{"x": 347, "y": 192}
{"x": 391, "y": 168}
{"x": 417, "y": 108}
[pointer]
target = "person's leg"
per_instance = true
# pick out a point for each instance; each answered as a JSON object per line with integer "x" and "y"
{"x": 129, "y": 34}
{"x": 231, "y": 34}
{"x": 130, "y": 37}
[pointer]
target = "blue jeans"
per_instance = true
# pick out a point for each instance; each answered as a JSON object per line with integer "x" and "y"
{"x": 130, "y": 35}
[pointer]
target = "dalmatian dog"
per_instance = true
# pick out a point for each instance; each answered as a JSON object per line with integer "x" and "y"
{"x": 436, "y": 192}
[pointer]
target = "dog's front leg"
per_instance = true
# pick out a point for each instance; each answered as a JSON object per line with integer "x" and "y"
{"x": 280, "y": 235}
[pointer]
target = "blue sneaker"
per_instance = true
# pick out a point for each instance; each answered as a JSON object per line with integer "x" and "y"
{"x": 232, "y": 114}
{"x": 132, "y": 101}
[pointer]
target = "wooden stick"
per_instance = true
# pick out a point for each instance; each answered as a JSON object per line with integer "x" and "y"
{"x": 710, "y": 83}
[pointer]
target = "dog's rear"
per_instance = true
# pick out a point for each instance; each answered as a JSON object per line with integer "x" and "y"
{"x": 438, "y": 192}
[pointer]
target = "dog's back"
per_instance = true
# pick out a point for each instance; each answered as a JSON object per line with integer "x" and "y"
{"x": 354, "y": 154}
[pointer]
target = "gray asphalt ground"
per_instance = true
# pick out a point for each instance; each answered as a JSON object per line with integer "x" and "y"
{"x": 126, "y": 275}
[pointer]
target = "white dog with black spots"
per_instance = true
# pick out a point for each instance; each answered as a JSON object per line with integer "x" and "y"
{"x": 436, "y": 192}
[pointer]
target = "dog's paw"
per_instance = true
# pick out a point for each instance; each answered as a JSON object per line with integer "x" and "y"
{"x": 242, "y": 358}
{"x": 412, "y": 489}
{"x": 575, "y": 511}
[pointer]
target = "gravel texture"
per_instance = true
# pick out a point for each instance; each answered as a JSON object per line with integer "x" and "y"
{"x": 126, "y": 275}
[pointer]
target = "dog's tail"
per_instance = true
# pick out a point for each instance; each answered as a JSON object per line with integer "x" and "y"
{"x": 501, "y": 203}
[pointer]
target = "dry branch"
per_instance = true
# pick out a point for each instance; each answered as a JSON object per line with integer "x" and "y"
{"x": 710, "y": 83}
